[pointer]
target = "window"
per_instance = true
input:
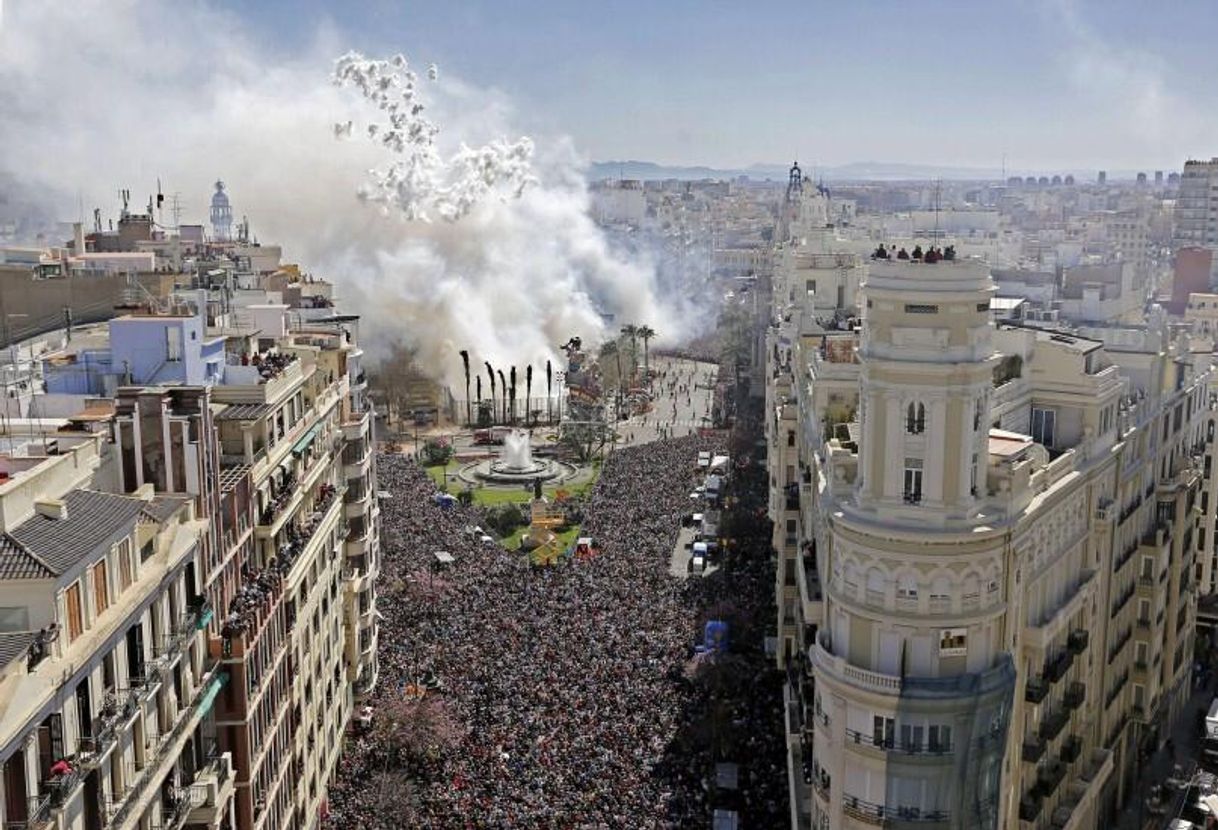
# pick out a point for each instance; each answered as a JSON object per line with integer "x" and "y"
{"x": 913, "y": 480}
{"x": 76, "y": 620}
{"x": 810, "y": 286}
{"x": 15, "y": 618}
{"x": 173, "y": 344}
{"x": 978, "y": 410}
{"x": 920, "y": 308}
{"x": 915, "y": 418}
{"x": 953, "y": 642}
{"x": 907, "y": 587}
{"x": 124, "y": 565}
{"x": 972, "y": 486}
{"x": 1044, "y": 423}
{"x": 911, "y": 737}
{"x": 883, "y": 730}
{"x": 101, "y": 588}
{"x": 940, "y": 738}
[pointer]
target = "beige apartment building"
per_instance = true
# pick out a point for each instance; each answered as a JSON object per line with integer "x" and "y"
{"x": 108, "y": 689}
{"x": 987, "y": 534}
{"x": 188, "y": 575}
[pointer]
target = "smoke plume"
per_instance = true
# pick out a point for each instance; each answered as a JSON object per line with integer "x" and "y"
{"x": 513, "y": 267}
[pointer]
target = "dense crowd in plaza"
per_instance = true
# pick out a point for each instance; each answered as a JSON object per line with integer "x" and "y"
{"x": 570, "y": 685}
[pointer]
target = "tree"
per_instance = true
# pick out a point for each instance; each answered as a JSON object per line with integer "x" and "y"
{"x": 512, "y": 398}
{"x": 504, "y": 389}
{"x": 469, "y": 412}
{"x": 393, "y": 793}
{"x": 549, "y": 393}
{"x": 645, "y": 334}
{"x": 528, "y": 391}
{"x": 491, "y": 372}
{"x": 415, "y": 730}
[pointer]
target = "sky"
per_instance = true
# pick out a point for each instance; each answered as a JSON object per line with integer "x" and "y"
{"x": 1049, "y": 84}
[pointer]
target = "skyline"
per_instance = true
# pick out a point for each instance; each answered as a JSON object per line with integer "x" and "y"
{"x": 1040, "y": 83}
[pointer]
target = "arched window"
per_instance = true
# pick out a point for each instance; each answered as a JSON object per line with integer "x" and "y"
{"x": 915, "y": 418}
{"x": 907, "y": 586}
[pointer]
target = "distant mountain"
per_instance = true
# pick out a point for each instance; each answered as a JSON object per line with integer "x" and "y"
{"x": 855, "y": 171}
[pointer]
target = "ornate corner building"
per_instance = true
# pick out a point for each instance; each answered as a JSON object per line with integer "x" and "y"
{"x": 985, "y": 535}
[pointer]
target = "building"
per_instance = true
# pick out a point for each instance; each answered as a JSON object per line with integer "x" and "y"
{"x": 254, "y": 423}
{"x": 110, "y": 688}
{"x": 1196, "y": 224}
{"x": 987, "y": 537}
{"x": 1190, "y": 275}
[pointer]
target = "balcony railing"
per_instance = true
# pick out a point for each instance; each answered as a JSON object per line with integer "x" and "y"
{"x": 926, "y": 748}
{"x": 212, "y": 681}
{"x": 1078, "y": 640}
{"x": 880, "y": 815}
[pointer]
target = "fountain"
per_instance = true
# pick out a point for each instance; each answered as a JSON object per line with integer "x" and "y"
{"x": 516, "y": 464}
{"x": 517, "y": 454}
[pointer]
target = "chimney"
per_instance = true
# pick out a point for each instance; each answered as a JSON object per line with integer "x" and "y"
{"x": 51, "y": 508}
{"x": 78, "y": 238}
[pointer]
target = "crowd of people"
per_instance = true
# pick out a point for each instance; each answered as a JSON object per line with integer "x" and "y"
{"x": 572, "y": 685}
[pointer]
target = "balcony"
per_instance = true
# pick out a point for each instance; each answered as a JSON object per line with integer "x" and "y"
{"x": 1030, "y": 805}
{"x": 1078, "y": 640}
{"x": 883, "y": 816}
{"x": 115, "y": 710}
{"x": 1071, "y": 749}
{"x": 169, "y": 745}
{"x": 1056, "y": 668}
{"x": 1033, "y": 749}
{"x": 863, "y": 739}
{"x": 1050, "y": 777}
{"x": 1036, "y": 690}
{"x": 1076, "y": 695}
{"x": 1053, "y": 725}
{"x": 832, "y": 669}
{"x": 211, "y": 791}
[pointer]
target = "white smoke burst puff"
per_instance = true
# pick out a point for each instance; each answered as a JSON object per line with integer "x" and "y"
{"x": 421, "y": 183}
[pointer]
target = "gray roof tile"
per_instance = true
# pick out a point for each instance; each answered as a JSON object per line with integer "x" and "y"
{"x": 94, "y": 520}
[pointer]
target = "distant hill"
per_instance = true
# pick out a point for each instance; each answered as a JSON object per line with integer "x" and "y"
{"x": 855, "y": 171}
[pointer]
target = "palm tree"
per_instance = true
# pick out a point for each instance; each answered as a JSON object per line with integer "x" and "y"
{"x": 631, "y": 331}
{"x": 645, "y": 334}
{"x": 478, "y": 386}
{"x": 504, "y": 389}
{"x": 549, "y": 393}
{"x": 469, "y": 416}
{"x": 491, "y": 372}
{"x": 528, "y": 391}
{"x": 512, "y": 399}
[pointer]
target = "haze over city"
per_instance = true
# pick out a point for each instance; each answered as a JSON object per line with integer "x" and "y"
{"x": 634, "y": 415}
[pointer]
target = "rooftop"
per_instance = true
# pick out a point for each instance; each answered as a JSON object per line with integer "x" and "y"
{"x": 42, "y": 547}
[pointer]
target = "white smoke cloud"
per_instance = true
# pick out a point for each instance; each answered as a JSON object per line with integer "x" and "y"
{"x": 101, "y": 94}
{"x": 420, "y": 181}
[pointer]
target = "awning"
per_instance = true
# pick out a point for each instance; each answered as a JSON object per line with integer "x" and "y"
{"x": 306, "y": 439}
{"x": 213, "y": 690}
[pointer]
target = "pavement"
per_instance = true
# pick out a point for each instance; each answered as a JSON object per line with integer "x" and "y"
{"x": 673, "y": 413}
